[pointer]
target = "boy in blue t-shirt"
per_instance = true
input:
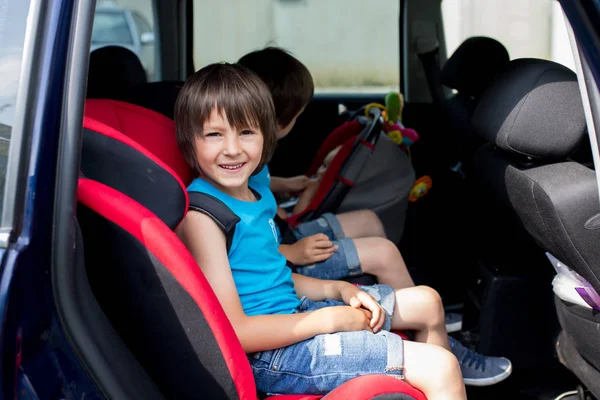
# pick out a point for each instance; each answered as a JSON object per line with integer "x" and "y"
{"x": 348, "y": 244}
{"x": 302, "y": 335}
{"x": 332, "y": 246}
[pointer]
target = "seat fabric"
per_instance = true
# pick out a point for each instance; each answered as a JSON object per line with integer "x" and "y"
{"x": 148, "y": 284}
{"x": 533, "y": 118}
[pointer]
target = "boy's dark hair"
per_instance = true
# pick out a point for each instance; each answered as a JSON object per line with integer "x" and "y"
{"x": 289, "y": 80}
{"x": 237, "y": 93}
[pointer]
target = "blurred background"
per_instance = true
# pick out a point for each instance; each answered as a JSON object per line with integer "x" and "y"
{"x": 348, "y": 45}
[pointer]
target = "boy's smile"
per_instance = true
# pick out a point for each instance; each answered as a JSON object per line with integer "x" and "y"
{"x": 227, "y": 156}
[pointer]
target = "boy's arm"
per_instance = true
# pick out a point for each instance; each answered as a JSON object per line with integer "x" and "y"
{"x": 306, "y": 196}
{"x": 293, "y": 184}
{"x": 318, "y": 289}
{"x": 206, "y": 242}
{"x": 309, "y": 250}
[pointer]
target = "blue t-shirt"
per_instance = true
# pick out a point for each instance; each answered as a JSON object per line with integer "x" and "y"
{"x": 262, "y": 178}
{"x": 263, "y": 281}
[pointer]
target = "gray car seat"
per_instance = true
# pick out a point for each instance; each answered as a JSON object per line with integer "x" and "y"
{"x": 532, "y": 118}
{"x": 557, "y": 201}
{"x": 383, "y": 186}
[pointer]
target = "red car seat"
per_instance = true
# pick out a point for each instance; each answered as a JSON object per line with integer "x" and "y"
{"x": 146, "y": 281}
{"x": 357, "y": 143}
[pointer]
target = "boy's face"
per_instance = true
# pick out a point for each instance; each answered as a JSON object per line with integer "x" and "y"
{"x": 283, "y": 131}
{"x": 227, "y": 156}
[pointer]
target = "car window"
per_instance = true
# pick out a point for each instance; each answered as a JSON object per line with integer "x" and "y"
{"x": 130, "y": 24}
{"x": 13, "y": 20}
{"x": 141, "y": 24}
{"x": 527, "y": 28}
{"x": 348, "y": 45}
{"x": 111, "y": 27}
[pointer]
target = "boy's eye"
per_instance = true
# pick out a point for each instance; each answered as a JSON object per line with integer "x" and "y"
{"x": 247, "y": 132}
{"x": 212, "y": 134}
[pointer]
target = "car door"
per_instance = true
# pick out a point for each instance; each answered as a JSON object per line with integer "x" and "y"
{"x": 37, "y": 45}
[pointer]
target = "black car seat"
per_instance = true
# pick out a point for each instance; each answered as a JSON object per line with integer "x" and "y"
{"x": 468, "y": 72}
{"x": 555, "y": 198}
{"x": 156, "y": 96}
{"x": 112, "y": 70}
{"x": 147, "y": 283}
{"x": 532, "y": 118}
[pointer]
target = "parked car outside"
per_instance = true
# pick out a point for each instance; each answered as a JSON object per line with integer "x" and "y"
{"x": 116, "y": 26}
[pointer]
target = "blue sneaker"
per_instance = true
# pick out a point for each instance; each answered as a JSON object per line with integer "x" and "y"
{"x": 477, "y": 369}
{"x": 453, "y": 322}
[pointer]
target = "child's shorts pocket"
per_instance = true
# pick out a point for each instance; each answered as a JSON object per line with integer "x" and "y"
{"x": 266, "y": 359}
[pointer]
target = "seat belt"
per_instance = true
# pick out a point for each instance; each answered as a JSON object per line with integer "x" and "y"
{"x": 223, "y": 216}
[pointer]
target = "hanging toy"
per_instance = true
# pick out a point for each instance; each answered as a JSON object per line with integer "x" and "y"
{"x": 420, "y": 188}
{"x": 402, "y": 136}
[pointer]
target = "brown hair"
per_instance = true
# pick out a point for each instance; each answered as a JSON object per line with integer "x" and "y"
{"x": 289, "y": 80}
{"x": 237, "y": 93}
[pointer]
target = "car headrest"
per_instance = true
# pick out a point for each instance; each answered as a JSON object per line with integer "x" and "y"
{"x": 151, "y": 130}
{"x": 134, "y": 151}
{"x": 113, "y": 159}
{"x": 473, "y": 65}
{"x": 112, "y": 69}
{"x": 533, "y": 109}
{"x": 156, "y": 96}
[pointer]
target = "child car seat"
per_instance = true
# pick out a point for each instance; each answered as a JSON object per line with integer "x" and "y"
{"x": 146, "y": 281}
{"x": 345, "y": 167}
{"x": 380, "y": 182}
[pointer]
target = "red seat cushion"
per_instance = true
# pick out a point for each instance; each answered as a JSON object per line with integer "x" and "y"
{"x": 148, "y": 128}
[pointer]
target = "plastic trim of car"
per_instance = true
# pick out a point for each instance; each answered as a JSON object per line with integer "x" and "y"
{"x": 589, "y": 96}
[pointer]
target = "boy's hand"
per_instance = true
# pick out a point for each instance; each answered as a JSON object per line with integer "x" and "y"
{"x": 296, "y": 184}
{"x": 345, "y": 319}
{"x": 311, "y": 249}
{"x": 359, "y": 299}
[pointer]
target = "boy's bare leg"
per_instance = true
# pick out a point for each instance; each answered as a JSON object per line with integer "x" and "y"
{"x": 381, "y": 258}
{"x": 362, "y": 223}
{"x": 420, "y": 309}
{"x": 434, "y": 371}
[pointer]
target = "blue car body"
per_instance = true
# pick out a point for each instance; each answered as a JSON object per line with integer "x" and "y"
{"x": 37, "y": 361}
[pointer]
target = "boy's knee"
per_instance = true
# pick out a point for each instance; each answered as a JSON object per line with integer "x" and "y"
{"x": 446, "y": 367}
{"x": 384, "y": 256}
{"x": 387, "y": 253}
{"x": 436, "y": 371}
{"x": 432, "y": 302}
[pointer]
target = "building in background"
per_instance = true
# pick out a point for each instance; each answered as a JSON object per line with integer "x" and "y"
{"x": 350, "y": 45}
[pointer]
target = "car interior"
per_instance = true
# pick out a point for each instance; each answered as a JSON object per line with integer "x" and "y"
{"x": 504, "y": 140}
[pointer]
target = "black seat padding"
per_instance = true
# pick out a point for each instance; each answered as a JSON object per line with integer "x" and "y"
{"x": 535, "y": 129}
{"x": 473, "y": 65}
{"x": 531, "y": 115}
{"x": 156, "y": 96}
{"x": 113, "y": 69}
{"x": 469, "y": 72}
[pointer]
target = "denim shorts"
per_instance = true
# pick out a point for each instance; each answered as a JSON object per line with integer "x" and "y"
{"x": 343, "y": 263}
{"x": 320, "y": 364}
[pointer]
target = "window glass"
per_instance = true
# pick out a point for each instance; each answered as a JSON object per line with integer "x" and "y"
{"x": 527, "y": 28}
{"x": 141, "y": 24}
{"x": 348, "y": 45}
{"x": 130, "y": 24}
{"x": 13, "y": 20}
{"x": 111, "y": 27}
